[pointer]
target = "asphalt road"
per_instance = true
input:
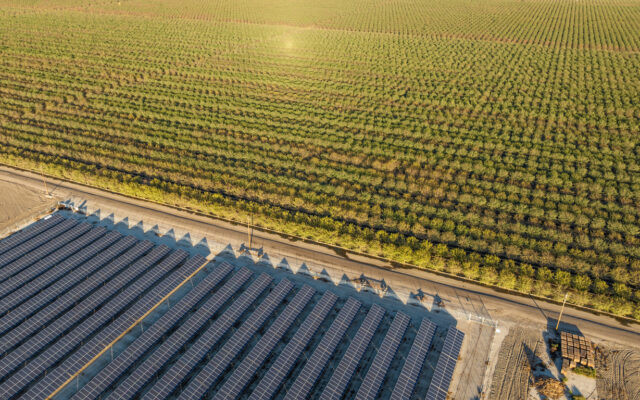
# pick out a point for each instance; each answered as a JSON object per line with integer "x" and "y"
{"x": 503, "y": 307}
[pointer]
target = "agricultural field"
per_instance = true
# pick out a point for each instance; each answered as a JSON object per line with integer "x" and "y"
{"x": 492, "y": 139}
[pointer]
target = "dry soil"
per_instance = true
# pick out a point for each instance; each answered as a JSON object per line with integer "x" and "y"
{"x": 19, "y": 204}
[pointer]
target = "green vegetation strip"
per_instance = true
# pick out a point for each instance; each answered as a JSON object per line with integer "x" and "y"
{"x": 491, "y": 139}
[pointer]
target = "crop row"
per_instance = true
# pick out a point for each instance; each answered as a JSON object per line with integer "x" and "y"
{"x": 422, "y": 131}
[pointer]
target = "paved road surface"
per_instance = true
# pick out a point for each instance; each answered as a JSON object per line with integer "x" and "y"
{"x": 522, "y": 310}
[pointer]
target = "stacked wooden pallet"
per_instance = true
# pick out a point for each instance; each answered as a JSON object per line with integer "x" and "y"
{"x": 576, "y": 350}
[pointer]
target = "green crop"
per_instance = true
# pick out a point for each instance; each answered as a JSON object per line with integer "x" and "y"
{"x": 493, "y": 139}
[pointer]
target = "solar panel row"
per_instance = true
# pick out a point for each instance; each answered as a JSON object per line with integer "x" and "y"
{"x": 318, "y": 360}
{"x": 46, "y": 243}
{"x": 274, "y": 376}
{"x": 47, "y": 337}
{"x": 407, "y": 380}
{"x": 118, "y": 367}
{"x": 80, "y": 311}
{"x": 44, "y": 273}
{"x": 378, "y": 369}
{"x": 39, "y": 314}
{"x": 158, "y": 284}
{"x": 348, "y": 363}
{"x": 259, "y": 353}
{"x": 68, "y": 290}
{"x": 24, "y": 248}
{"x": 69, "y": 248}
{"x": 219, "y": 362}
{"x": 439, "y": 386}
{"x": 35, "y": 229}
{"x": 180, "y": 370}
{"x": 151, "y": 366}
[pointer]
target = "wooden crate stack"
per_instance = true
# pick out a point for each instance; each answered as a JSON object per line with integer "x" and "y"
{"x": 576, "y": 350}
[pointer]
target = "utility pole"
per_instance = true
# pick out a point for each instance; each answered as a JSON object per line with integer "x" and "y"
{"x": 562, "y": 310}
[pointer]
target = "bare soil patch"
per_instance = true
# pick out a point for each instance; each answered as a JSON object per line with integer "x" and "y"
{"x": 474, "y": 358}
{"x": 618, "y": 374}
{"x": 518, "y": 355}
{"x": 18, "y": 204}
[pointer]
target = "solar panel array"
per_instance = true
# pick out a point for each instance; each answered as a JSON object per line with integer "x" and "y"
{"x": 151, "y": 336}
{"x": 415, "y": 360}
{"x": 241, "y": 374}
{"x": 69, "y": 290}
{"x": 151, "y": 366}
{"x": 275, "y": 375}
{"x": 378, "y": 369}
{"x": 318, "y": 360}
{"x": 29, "y": 232}
{"x": 342, "y": 374}
{"x": 439, "y": 387}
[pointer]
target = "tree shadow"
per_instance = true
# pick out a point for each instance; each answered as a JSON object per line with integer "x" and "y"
{"x": 535, "y": 362}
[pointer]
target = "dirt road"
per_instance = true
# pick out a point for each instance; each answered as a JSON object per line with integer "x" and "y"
{"x": 468, "y": 297}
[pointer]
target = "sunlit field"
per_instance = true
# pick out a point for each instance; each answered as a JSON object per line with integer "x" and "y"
{"x": 497, "y": 140}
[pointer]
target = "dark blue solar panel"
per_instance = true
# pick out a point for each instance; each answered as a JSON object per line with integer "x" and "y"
{"x": 39, "y": 312}
{"x": 212, "y": 370}
{"x": 40, "y": 247}
{"x": 281, "y": 367}
{"x": 243, "y": 372}
{"x": 439, "y": 386}
{"x": 136, "y": 309}
{"x": 47, "y": 338}
{"x": 52, "y": 268}
{"x": 415, "y": 359}
{"x": 195, "y": 323}
{"x": 318, "y": 360}
{"x": 27, "y": 233}
{"x": 107, "y": 376}
{"x": 378, "y": 369}
{"x": 348, "y": 363}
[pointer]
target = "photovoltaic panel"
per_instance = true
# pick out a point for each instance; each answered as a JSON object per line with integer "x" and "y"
{"x": 212, "y": 369}
{"x": 38, "y": 313}
{"x": 273, "y": 379}
{"x": 106, "y": 334}
{"x": 250, "y": 364}
{"x": 41, "y": 287}
{"x": 439, "y": 386}
{"x": 348, "y": 363}
{"x": 47, "y": 338}
{"x": 378, "y": 369}
{"x": 25, "y": 248}
{"x": 318, "y": 360}
{"x": 110, "y": 373}
{"x": 51, "y": 268}
{"x": 35, "y": 229}
{"x": 415, "y": 360}
{"x": 39, "y": 247}
{"x": 194, "y": 324}
{"x": 64, "y": 297}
